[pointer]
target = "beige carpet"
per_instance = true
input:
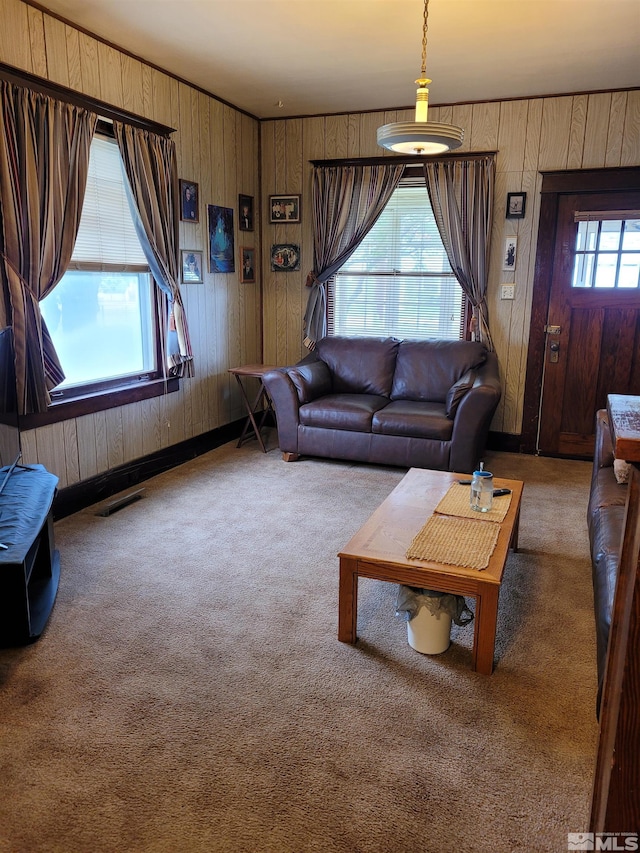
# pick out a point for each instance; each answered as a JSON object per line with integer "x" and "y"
{"x": 190, "y": 694}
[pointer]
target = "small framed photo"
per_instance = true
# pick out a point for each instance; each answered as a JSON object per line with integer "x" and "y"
{"x": 189, "y": 201}
{"x": 509, "y": 255}
{"x": 284, "y": 208}
{"x": 245, "y": 212}
{"x": 248, "y": 265}
{"x": 191, "y": 266}
{"x": 516, "y": 204}
{"x": 285, "y": 257}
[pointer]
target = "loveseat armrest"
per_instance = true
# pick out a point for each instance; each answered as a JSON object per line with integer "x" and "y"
{"x": 284, "y": 397}
{"x": 473, "y": 418}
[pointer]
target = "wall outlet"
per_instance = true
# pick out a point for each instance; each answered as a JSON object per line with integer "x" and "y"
{"x": 507, "y": 291}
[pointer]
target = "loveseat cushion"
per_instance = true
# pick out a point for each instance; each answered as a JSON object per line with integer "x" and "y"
{"x": 352, "y": 412}
{"x": 414, "y": 419}
{"x": 426, "y": 370}
{"x": 359, "y": 365}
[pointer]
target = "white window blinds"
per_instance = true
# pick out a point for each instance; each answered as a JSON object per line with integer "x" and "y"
{"x": 107, "y": 239}
{"x": 398, "y": 281}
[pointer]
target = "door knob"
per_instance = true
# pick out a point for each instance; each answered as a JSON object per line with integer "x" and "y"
{"x": 554, "y": 348}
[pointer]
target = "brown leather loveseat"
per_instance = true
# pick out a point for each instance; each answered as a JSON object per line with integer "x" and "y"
{"x": 423, "y": 404}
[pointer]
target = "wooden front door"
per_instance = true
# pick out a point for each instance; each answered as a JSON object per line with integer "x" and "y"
{"x": 592, "y": 331}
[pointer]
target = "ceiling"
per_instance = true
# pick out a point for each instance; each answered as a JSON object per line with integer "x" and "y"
{"x": 277, "y": 58}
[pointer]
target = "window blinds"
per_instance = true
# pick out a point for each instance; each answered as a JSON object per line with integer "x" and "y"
{"x": 398, "y": 281}
{"x": 107, "y": 239}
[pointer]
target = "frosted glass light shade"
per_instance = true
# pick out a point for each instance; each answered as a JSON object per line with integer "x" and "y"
{"x": 429, "y": 137}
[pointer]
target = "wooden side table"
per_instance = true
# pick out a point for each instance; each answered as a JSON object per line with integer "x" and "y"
{"x": 256, "y": 371}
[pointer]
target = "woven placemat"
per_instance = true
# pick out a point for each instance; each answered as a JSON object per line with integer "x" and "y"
{"x": 456, "y": 502}
{"x": 455, "y": 542}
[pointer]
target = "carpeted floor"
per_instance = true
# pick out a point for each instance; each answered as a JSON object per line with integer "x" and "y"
{"x": 190, "y": 695}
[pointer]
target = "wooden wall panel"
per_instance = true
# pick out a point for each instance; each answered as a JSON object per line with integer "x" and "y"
{"x": 596, "y": 131}
{"x": 15, "y": 47}
{"x": 37, "y": 42}
{"x": 630, "y": 155}
{"x": 56, "y": 49}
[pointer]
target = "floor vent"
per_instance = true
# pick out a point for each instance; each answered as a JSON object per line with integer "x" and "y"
{"x": 113, "y": 506}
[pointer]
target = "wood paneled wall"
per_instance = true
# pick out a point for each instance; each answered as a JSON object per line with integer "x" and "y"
{"x": 217, "y": 148}
{"x": 534, "y": 135}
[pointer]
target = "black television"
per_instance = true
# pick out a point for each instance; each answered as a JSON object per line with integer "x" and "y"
{"x": 9, "y": 432}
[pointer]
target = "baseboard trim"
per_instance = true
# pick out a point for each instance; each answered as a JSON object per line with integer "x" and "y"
{"x": 95, "y": 489}
{"x": 505, "y": 441}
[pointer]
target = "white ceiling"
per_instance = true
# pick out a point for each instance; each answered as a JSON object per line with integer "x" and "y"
{"x": 326, "y": 56}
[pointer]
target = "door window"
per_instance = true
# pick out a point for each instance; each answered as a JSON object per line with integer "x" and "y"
{"x": 607, "y": 254}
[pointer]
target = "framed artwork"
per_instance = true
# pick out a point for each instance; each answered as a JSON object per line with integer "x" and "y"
{"x": 191, "y": 266}
{"x": 248, "y": 268}
{"x": 509, "y": 255}
{"x": 285, "y": 257}
{"x": 245, "y": 212}
{"x": 516, "y": 204}
{"x": 284, "y": 208}
{"x": 221, "y": 242}
{"x": 189, "y": 201}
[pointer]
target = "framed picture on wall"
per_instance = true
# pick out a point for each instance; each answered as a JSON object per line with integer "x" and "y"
{"x": 285, "y": 257}
{"x": 284, "y": 208}
{"x": 189, "y": 201}
{"x": 248, "y": 266}
{"x": 191, "y": 266}
{"x": 516, "y": 204}
{"x": 221, "y": 240}
{"x": 509, "y": 255}
{"x": 245, "y": 212}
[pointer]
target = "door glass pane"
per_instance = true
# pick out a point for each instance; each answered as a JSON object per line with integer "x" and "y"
{"x": 610, "y": 235}
{"x": 631, "y": 239}
{"x": 606, "y": 270}
{"x": 629, "y": 270}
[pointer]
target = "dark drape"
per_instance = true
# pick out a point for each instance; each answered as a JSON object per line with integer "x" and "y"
{"x": 347, "y": 201}
{"x": 44, "y": 159}
{"x": 461, "y": 194}
{"x": 150, "y": 166}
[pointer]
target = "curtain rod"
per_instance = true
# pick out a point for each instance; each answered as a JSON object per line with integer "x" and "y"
{"x": 62, "y": 93}
{"x": 406, "y": 160}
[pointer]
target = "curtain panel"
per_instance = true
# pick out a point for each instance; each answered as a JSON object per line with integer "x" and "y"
{"x": 461, "y": 195}
{"x": 347, "y": 201}
{"x": 44, "y": 159}
{"x": 152, "y": 179}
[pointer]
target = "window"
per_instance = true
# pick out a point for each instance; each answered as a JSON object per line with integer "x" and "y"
{"x": 101, "y": 315}
{"x": 398, "y": 281}
{"x": 607, "y": 251}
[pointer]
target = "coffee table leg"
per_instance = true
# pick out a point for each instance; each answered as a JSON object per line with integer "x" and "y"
{"x": 348, "y": 600}
{"x": 484, "y": 637}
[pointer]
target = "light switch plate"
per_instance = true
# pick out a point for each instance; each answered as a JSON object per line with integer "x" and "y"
{"x": 507, "y": 291}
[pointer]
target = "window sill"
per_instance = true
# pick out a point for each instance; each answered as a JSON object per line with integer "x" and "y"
{"x": 99, "y": 402}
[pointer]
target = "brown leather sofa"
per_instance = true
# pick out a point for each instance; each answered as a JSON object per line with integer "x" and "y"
{"x": 423, "y": 404}
{"x": 605, "y": 518}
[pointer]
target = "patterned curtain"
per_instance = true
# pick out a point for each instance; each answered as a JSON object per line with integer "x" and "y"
{"x": 150, "y": 166}
{"x": 44, "y": 159}
{"x": 461, "y": 194}
{"x": 347, "y": 201}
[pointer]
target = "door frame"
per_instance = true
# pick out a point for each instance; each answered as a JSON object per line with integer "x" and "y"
{"x": 555, "y": 184}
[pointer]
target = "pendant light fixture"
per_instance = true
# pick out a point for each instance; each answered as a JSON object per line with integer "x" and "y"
{"x": 421, "y": 136}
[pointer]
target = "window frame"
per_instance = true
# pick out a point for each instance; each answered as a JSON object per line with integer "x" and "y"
{"x": 91, "y": 400}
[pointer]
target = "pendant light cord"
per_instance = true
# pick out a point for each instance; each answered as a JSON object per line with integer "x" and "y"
{"x": 424, "y": 38}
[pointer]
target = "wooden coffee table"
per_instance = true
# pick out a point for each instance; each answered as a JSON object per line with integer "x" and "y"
{"x": 378, "y": 551}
